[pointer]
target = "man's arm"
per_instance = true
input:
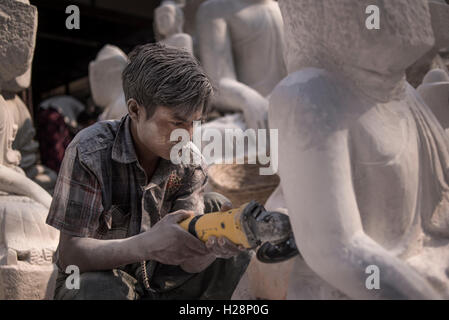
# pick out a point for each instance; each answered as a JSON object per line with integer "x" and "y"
{"x": 77, "y": 211}
{"x": 191, "y": 197}
{"x": 166, "y": 242}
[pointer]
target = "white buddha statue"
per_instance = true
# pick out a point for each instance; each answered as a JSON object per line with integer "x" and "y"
{"x": 363, "y": 162}
{"x": 240, "y": 45}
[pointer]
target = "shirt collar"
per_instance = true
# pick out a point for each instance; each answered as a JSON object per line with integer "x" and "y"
{"x": 123, "y": 148}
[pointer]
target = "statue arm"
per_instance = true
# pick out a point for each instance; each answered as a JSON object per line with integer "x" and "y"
{"x": 13, "y": 182}
{"x": 328, "y": 227}
{"x": 317, "y": 183}
{"x": 216, "y": 56}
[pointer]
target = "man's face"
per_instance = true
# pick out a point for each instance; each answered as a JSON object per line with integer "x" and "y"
{"x": 154, "y": 133}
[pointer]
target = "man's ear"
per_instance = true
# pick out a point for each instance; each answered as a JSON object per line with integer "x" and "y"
{"x": 133, "y": 109}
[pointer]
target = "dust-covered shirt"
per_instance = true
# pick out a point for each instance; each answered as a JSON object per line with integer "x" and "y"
{"x": 102, "y": 192}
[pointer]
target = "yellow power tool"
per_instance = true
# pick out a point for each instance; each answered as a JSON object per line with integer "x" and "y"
{"x": 250, "y": 226}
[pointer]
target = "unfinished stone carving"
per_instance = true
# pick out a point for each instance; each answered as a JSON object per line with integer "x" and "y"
{"x": 362, "y": 159}
{"x": 435, "y": 92}
{"x": 169, "y": 20}
{"x": 240, "y": 45}
{"x": 24, "y": 142}
{"x": 27, "y": 244}
{"x": 105, "y": 78}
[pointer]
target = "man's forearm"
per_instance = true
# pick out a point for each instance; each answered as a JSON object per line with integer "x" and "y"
{"x": 93, "y": 255}
{"x": 198, "y": 265}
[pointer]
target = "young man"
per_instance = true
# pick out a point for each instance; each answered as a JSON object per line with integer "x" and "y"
{"x": 119, "y": 198}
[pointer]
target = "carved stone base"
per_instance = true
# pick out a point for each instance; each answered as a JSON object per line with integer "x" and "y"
{"x": 27, "y": 282}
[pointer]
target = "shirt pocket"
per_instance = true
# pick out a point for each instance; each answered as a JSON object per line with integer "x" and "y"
{"x": 117, "y": 220}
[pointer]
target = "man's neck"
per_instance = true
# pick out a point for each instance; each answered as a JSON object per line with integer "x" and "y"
{"x": 147, "y": 159}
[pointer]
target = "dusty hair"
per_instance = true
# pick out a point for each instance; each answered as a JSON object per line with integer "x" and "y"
{"x": 159, "y": 75}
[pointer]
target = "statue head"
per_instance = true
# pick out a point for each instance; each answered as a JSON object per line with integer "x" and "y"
{"x": 17, "y": 40}
{"x": 105, "y": 75}
{"x": 334, "y": 35}
{"x": 169, "y": 19}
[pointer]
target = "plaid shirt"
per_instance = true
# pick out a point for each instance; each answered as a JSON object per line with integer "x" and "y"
{"x": 102, "y": 192}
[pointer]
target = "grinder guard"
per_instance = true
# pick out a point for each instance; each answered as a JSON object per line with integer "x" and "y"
{"x": 270, "y": 228}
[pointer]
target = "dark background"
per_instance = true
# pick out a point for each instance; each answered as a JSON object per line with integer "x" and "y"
{"x": 62, "y": 56}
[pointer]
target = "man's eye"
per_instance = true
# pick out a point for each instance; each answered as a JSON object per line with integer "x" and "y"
{"x": 177, "y": 123}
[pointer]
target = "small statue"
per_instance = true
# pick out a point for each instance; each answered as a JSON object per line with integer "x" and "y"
{"x": 169, "y": 20}
{"x": 105, "y": 78}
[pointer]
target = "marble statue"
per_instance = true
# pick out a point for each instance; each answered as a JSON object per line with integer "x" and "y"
{"x": 435, "y": 92}
{"x": 26, "y": 144}
{"x": 240, "y": 45}
{"x": 27, "y": 244}
{"x": 105, "y": 79}
{"x": 363, "y": 162}
{"x": 190, "y": 9}
{"x": 25, "y": 138}
{"x": 169, "y": 20}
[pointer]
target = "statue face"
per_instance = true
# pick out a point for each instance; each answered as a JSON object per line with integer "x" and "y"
{"x": 168, "y": 18}
{"x": 337, "y": 32}
{"x": 17, "y": 40}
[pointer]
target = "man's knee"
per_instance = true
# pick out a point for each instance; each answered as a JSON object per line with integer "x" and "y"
{"x": 213, "y": 202}
{"x": 100, "y": 285}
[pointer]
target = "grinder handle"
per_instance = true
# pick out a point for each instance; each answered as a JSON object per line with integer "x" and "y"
{"x": 219, "y": 224}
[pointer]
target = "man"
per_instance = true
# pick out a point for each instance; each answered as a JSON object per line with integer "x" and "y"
{"x": 119, "y": 198}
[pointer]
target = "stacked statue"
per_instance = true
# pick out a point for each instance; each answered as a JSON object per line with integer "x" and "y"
{"x": 24, "y": 141}
{"x": 27, "y": 244}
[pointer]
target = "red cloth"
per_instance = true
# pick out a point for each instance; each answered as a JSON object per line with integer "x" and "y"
{"x": 54, "y": 136}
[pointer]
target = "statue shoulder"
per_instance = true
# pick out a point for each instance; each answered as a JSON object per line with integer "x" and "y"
{"x": 312, "y": 101}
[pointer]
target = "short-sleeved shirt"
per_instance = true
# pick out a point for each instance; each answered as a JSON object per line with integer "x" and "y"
{"x": 102, "y": 192}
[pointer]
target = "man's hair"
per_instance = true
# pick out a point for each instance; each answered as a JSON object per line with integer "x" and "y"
{"x": 158, "y": 75}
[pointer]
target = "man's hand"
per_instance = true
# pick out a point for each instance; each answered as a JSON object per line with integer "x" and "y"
{"x": 223, "y": 247}
{"x": 170, "y": 244}
{"x": 218, "y": 248}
